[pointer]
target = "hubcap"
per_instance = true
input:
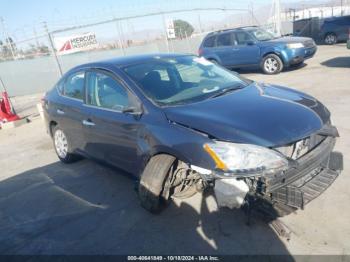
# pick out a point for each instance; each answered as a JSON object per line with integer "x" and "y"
{"x": 330, "y": 39}
{"x": 271, "y": 65}
{"x": 61, "y": 143}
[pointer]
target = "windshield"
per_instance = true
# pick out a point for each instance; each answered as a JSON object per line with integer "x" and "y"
{"x": 262, "y": 35}
{"x": 183, "y": 79}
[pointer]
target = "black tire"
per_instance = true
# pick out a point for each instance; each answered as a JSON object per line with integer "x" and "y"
{"x": 214, "y": 61}
{"x": 330, "y": 39}
{"x": 152, "y": 182}
{"x": 68, "y": 157}
{"x": 272, "y": 64}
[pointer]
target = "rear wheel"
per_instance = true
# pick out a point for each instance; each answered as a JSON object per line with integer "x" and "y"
{"x": 330, "y": 39}
{"x": 214, "y": 61}
{"x": 164, "y": 178}
{"x": 62, "y": 146}
{"x": 272, "y": 64}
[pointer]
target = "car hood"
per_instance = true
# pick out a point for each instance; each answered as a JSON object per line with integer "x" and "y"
{"x": 257, "y": 114}
{"x": 289, "y": 39}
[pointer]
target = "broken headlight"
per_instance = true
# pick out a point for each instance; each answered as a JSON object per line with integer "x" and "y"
{"x": 245, "y": 158}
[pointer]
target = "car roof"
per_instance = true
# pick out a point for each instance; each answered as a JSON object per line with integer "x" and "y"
{"x": 128, "y": 60}
{"x": 231, "y": 30}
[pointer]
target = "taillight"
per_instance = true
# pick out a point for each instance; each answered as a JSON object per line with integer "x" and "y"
{"x": 200, "y": 51}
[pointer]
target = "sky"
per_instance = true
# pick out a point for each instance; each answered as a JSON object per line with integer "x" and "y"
{"x": 23, "y": 17}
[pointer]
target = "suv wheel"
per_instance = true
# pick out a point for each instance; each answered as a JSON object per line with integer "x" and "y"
{"x": 62, "y": 147}
{"x": 272, "y": 64}
{"x": 330, "y": 39}
{"x": 214, "y": 61}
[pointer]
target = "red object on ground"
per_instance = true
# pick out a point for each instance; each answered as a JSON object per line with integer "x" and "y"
{"x": 6, "y": 113}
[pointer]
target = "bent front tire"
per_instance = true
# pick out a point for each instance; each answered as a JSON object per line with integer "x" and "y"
{"x": 62, "y": 146}
{"x": 164, "y": 178}
{"x": 272, "y": 64}
{"x": 152, "y": 183}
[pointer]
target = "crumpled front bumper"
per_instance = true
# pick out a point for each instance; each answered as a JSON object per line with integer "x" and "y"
{"x": 312, "y": 175}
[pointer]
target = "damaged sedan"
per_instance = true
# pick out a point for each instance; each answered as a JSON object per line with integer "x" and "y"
{"x": 182, "y": 124}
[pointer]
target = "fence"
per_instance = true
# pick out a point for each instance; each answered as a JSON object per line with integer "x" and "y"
{"x": 32, "y": 67}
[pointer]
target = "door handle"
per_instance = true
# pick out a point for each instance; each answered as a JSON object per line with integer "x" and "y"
{"x": 88, "y": 123}
{"x": 60, "y": 112}
{"x": 235, "y": 49}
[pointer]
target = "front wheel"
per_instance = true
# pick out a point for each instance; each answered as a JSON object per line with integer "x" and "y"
{"x": 272, "y": 64}
{"x": 166, "y": 177}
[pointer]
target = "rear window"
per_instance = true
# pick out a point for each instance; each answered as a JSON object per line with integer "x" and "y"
{"x": 209, "y": 42}
{"x": 224, "y": 40}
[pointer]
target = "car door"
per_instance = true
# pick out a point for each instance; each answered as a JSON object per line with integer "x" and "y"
{"x": 342, "y": 28}
{"x": 224, "y": 49}
{"x": 247, "y": 52}
{"x": 68, "y": 108}
{"x": 110, "y": 134}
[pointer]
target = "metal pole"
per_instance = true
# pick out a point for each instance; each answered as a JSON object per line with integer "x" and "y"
{"x": 119, "y": 38}
{"x": 53, "y": 49}
{"x": 166, "y": 33}
{"x": 188, "y": 43}
{"x": 341, "y": 7}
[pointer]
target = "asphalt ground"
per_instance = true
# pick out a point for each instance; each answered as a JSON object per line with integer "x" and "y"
{"x": 47, "y": 207}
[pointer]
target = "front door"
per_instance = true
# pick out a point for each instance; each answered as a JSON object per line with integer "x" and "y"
{"x": 247, "y": 53}
{"x": 110, "y": 134}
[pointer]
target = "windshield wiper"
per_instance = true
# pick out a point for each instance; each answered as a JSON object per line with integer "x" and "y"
{"x": 226, "y": 91}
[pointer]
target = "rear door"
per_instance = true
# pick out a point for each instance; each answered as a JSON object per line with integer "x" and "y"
{"x": 110, "y": 134}
{"x": 224, "y": 49}
{"x": 342, "y": 28}
{"x": 68, "y": 109}
{"x": 247, "y": 52}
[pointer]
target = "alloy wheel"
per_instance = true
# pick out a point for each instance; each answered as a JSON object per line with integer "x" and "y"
{"x": 61, "y": 143}
{"x": 271, "y": 65}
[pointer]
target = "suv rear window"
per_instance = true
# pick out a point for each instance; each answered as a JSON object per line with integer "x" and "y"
{"x": 224, "y": 40}
{"x": 209, "y": 42}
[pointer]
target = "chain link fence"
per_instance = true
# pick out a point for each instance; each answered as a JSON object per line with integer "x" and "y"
{"x": 32, "y": 65}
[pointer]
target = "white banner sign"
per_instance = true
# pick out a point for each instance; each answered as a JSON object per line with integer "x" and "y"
{"x": 76, "y": 43}
{"x": 170, "y": 29}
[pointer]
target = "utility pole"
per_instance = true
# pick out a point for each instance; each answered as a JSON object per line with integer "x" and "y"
{"x": 53, "y": 49}
{"x": 120, "y": 42}
{"x": 7, "y": 38}
{"x": 166, "y": 33}
{"x": 341, "y": 7}
{"x": 252, "y": 12}
{"x": 276, "y": 11}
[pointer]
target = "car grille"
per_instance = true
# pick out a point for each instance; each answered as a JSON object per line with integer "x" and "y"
{"x": 301, "y": 147}
{"x": 306, "y": 164}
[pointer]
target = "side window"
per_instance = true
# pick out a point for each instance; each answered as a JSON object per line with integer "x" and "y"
{"x": 105, "y": 92}
{"x": 74, "y": 86}
{"x": 224, "y": 40}
{"x": 243, "y": 38}
{"x": 60, "y": 86}
{"x": 209, "y": 42}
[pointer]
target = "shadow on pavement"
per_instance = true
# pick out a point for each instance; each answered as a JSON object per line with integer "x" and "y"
{"x": 338, "y": 62}
{"x": 85, "y": 208}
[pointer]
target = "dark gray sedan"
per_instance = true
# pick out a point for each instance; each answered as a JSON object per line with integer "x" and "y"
{"x": 182, "y": 124}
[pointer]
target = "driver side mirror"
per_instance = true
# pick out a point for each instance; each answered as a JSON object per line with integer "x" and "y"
{"x": 250, "y": 42}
